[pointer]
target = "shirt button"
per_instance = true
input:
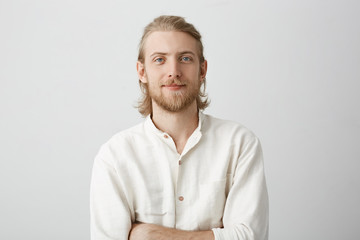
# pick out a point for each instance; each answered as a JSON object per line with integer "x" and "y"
{"x": 166, "y": 136}
{"x": 181, "y": 198}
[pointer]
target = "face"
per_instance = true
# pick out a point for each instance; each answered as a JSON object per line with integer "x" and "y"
{"x": 172, "y": 70}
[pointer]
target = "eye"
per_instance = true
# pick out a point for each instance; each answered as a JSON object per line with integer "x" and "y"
{"x": 186, "y": 59}
{"x": 159, "y": 60}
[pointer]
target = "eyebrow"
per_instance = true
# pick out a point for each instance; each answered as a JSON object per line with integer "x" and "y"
{"x": 187, "y": 52}
{"x": 180, "y": 53}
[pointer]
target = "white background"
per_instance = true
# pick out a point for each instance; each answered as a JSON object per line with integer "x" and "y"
{"x": 287, "y": 69}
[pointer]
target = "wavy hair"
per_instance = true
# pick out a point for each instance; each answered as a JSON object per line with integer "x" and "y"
{"x": 169, "y": 23}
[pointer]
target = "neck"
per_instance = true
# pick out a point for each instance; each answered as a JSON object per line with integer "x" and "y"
{"x": 179, "y": 125}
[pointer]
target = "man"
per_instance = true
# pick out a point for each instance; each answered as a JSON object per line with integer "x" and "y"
{"x": 181, "y": 174}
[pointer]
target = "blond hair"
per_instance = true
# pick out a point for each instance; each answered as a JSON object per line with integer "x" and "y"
{"x": 169, "y": 23}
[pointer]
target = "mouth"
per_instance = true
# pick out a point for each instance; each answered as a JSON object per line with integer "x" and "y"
{"x": 174, "y": 86}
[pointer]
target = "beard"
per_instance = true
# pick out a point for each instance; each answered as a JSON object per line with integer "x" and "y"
{"x": 176, "y": 101}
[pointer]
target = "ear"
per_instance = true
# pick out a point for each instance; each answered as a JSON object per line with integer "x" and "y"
{"x": 203, "y": 70}
{"x": 140, "y": 68}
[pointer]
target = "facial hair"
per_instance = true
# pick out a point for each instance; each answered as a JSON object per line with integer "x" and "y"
{"x": 176, "y": 101}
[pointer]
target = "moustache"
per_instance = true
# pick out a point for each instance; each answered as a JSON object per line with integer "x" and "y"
{"x": 173, "y": 81}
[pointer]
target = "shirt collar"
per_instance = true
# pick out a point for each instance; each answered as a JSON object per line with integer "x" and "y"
{"x": 149, "y": 124}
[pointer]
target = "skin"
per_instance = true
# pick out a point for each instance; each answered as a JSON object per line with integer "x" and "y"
{"x": 173, "y": 71}
{"x": 155, "y": 232}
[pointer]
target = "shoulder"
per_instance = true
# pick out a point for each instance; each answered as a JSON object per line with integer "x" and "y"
{"x": 227, "y": 129}
{"x": 121, "y": 142}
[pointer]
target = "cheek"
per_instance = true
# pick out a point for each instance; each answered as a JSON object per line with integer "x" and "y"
{"x": 191, "y": 71}
{"x": 155, "y": 73}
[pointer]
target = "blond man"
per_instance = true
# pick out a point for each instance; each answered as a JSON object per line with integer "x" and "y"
{"x": 181, "y": 174}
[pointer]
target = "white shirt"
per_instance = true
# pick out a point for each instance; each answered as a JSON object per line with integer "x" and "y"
{"x": 216, "y": 183}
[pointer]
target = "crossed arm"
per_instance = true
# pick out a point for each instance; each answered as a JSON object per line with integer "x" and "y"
{"x": 144, "y": 231}
{"x": 245, "y": 215}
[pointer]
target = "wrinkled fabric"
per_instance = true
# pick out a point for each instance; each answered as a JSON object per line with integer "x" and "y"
{"x": 217, "y": 183}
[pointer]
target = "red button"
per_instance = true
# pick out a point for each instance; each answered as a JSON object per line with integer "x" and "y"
{"x": 181, "y": 198}
{"x": 166, "y": 136}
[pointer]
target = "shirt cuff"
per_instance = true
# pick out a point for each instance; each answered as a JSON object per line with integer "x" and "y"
{"x": 217, "y": 234}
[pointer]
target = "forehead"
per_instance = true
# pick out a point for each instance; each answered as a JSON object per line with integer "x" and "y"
{"x": 170, "y": 42}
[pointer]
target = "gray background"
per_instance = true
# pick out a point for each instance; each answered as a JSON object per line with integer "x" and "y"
{"x": 288, "y": 70}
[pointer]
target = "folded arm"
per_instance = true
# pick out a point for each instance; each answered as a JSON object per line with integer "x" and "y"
{"x": 246, "y": 215}
{"x": 109, "y": 208}
{"x": 145, "y": 231}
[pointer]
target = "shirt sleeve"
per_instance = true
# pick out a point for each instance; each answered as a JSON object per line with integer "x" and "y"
{"x": 246, "y": 214}
{"x": 109, "y": 208}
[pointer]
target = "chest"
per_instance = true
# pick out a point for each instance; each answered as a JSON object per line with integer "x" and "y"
{"x": 183, "y": 191}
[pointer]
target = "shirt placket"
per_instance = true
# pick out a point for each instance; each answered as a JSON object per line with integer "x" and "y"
{"x": 182, "y": 192}
{"x": 183, "y": 189}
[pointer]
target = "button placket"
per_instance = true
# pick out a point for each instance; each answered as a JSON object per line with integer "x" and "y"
{"x": 180, "y": 196}
{"x": 166, "y": 138}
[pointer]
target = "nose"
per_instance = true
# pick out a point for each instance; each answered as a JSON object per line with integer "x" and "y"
{"x": 174, "y": 70}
